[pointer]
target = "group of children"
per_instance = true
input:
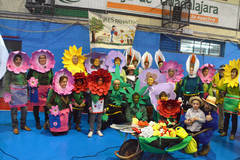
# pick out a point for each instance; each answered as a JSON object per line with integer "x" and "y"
{"x": 113, "y": 89}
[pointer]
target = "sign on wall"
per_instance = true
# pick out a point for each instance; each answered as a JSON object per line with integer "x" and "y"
{"x": 111, "y": 31}
{"x": 202, "y": 12}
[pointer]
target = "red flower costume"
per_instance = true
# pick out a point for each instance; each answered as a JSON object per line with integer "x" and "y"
{"x": 80, "y": 87}
{"x": 169, "y": 108}
{"x": 92, "y": 82}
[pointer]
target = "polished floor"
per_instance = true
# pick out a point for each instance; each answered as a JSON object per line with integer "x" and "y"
{"x": 41, "y": 145}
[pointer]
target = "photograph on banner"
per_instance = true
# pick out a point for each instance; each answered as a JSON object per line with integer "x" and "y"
{"x": 111, "y": 30}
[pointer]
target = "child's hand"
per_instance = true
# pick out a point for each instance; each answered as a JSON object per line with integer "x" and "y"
{"x": 105, "y": 110}
{"x": 209, "y": 117}
{"x": 82, "y": 104}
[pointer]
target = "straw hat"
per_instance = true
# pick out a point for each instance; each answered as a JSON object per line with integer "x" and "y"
{"x": 211, "y": 100}
{"x": 196, "y": 98}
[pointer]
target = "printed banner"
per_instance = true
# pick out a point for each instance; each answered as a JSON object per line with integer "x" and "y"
{"x": 111, "y": 31}
{"x": 3, "y": 57}
{"x": 203, "y": 12}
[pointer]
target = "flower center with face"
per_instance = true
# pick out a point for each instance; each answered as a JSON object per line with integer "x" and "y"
{"x": 205, "y": 72}
{"x": 17, "y": 61}
{"x": 150, "y": 81}
{"x": 160, "y": 64}
{"x": 146, "y": 63}
{"x": 96, "y": 62}
{"x": 100, "y": 81}
{"x": 163, "y": 96}
{"x": 171, "y": 73}
{"x": 117, "y": 61}
{"x": 136, "y": 98}
{"x": 42, "y": 59}
{"x": 234, "y": 73}
{"x": 63, "y": 81}
{"x": 75, "y": 60}
{"x": 191, "y": 71}
{"x": 116, "y": 85}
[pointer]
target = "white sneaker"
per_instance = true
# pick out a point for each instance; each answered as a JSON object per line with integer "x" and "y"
{"x": 99, "y": 133}
{"x": 90, "y": 134}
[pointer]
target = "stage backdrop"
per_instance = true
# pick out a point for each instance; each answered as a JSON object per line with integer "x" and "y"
{"x": 111, "y": 31}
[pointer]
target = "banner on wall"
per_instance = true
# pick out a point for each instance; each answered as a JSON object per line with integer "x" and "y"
{"x": 111, "y": 31}
{"x": 3, "y": 57}
{"x": 203, "y": 12}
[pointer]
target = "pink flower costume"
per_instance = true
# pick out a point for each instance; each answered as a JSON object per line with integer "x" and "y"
{"x": 207, "y": 79}
{"x": 173, "y": 71}
{"x": 40, "y": 78}
{"x": 59, "y": 102}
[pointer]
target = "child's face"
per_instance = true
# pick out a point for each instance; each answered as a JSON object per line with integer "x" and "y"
{"x": 96, "y": 62}
{"x": 195, "y": 104}
{"x": 42, "y": 59}
{"x": 131, "y": 72}
{"x": 75, "y": 60}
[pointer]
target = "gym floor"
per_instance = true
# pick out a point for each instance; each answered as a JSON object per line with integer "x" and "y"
{"x": 42, "y": 145}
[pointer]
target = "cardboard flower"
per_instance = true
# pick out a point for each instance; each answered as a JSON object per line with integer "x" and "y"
{"x": 159, "y": 57}
{"x": 77, "y": 65}
{"x": 90, "y": 60}
{"x": 80, "y": 84}
{"x": 211, "y": 72}
{"x": 7, "y": 97}
{"x": 192, "y": 62}
{"x": 33, "y": 82}
{"x": 56, "y": 86}
{"x": 176, "y": 68}
{"x": 92, "y": 82}
{"x": 35, "y": 65}
{"x": 54, "y": 110}
{"x": 168, "y": 108}
{"x": 110, "y": 60}
{"x": 227, "y": 73}
{"x": 168, "y": 88}
{"x": 24, "y": 66}
{"x": 147, "y": 57}
{"x": 153, "y": 73}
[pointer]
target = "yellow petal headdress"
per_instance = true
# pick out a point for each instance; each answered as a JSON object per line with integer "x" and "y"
{"x": 227, "y": 73}
{"x": 68, "y": 60}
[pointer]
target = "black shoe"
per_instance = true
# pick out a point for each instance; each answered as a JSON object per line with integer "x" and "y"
{"x": 38, "y": 125}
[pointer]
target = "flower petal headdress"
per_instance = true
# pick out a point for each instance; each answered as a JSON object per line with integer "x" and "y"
{"x": 227, "y": 73}
{"x": 68, "y": 60}
{"x": 96, "y": 89}
{"x": 110, "y": 60}
{"x": 211, "y": 72}
{"x": 91, "y": 57}
{"x": 178, "y": 71}
{"x": 35, "y": 65}
{"x": 80, "y": 87}
{"x": 147, "y": 57}
{"x": 192, "y": 61}
{"x": 24, "y": 65}
{"x": 159, "y": 57}
{"x": 70, "y": 83}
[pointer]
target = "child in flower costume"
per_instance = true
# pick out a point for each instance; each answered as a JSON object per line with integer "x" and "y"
{"x": 146, "y": 61}
{"x": 95, "y": 61}
{"x": 206, "y": 73}
{"x": 159, "y": 59}
{"x": 116, "y": 101}
{"x": 191, "y": 85}
{"x": 15, "y": 87}
{"x": 136, "y": 108}
{"x": 73, "y": 60}
{"x": 99, "y": 83}
{"x": 113, "y": 59}
{"x": 163, "y": 99}
{"x": 232, "y": 98}
{"x": 40, "y": 78}
{"x": 150, "y": 78}
{"x": 79, "y": 98}
{"x": 59, "y": 101}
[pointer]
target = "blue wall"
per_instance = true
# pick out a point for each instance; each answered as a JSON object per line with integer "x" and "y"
{"x": 61, "y": 36}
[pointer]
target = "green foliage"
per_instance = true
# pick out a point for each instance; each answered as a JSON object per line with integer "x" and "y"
{"x": 96, "y": 25}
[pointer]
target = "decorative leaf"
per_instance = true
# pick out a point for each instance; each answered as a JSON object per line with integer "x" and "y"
{"x": 139, "y": 115}
{"x": 105, "y": 117}
{"x": 95, "y": 98}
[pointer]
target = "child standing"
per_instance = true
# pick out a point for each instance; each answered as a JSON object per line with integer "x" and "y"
{"x": 99, "y": 83}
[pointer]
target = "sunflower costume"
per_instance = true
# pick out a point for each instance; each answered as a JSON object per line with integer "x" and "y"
{"x": 232, "y": 97}
{"x": 73, "y": 60}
